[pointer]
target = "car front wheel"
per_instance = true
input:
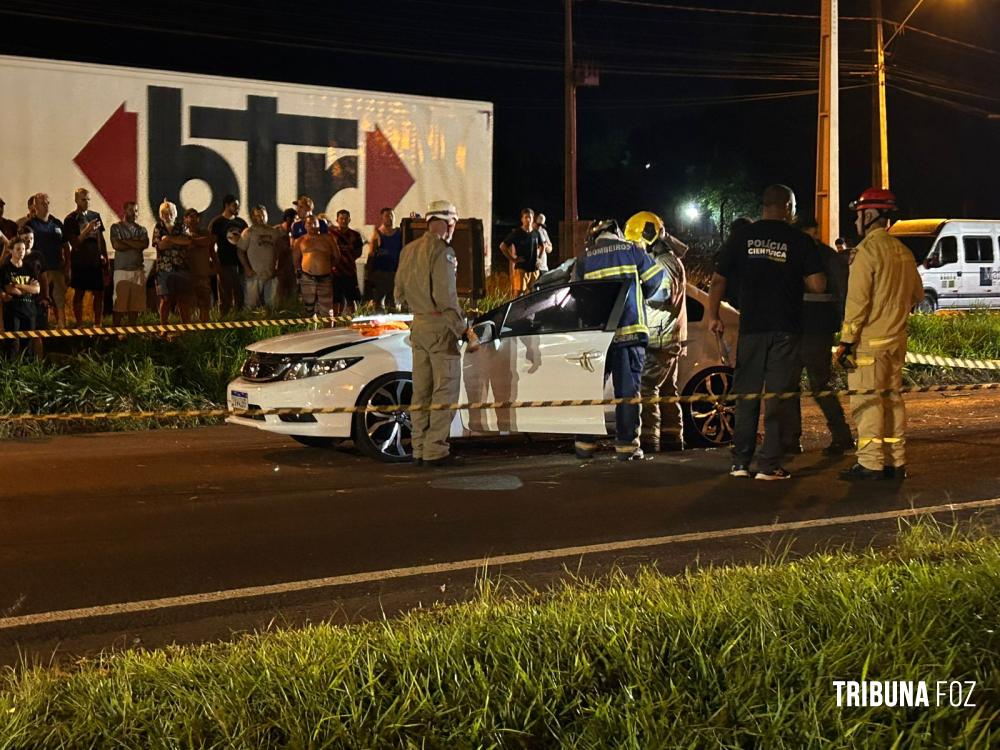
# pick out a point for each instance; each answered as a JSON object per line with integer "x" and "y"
{"x": 381, "y": 433}
{"x": 709, "y": 423}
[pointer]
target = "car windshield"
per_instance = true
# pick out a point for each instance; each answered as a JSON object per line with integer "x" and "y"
{"x": 920, "y": 244}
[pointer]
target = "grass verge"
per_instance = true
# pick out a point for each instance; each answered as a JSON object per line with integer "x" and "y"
{"x": 721, "y": 658}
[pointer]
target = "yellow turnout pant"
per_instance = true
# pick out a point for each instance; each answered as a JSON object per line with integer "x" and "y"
{"x": 881, "y": 420}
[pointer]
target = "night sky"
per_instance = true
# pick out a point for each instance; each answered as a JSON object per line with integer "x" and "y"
{"x": 681, "y": 90}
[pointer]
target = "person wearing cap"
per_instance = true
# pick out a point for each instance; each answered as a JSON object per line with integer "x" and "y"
{"x": 608, "y": 255}
{"x": 425, "y": 282}
{"x": 666, "y": 315}
{"x": 884, "y": 286}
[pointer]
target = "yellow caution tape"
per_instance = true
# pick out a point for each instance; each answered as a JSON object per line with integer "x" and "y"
{"x": 914, "y": 358}
{"x": 50, "y": 333}
{"x": 480, "y": 405}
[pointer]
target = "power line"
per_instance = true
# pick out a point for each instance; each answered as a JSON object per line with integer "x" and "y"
{"x": 721, "y": 11}
{"x": 943, "y": 100}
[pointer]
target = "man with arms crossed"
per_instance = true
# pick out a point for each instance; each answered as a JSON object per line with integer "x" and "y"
{"x": 129, "y": 239}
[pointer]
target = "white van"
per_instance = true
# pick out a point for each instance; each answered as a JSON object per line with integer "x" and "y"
{"x": 958, "y": 261}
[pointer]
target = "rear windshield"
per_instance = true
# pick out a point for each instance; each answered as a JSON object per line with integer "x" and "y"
{"x": 920, "y": 244}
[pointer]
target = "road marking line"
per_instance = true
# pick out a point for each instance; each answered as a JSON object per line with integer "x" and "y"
{"x": 149, "y": 605}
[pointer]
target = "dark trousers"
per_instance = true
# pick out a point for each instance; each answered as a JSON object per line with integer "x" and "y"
{"x": 624, "y": 366}
{"x": 230, "y": 289}
{"x": 765, "y": 362}
{"x": 817, "y": 361}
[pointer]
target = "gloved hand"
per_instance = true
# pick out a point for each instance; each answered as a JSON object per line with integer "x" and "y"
{"x": 845, "y": 357}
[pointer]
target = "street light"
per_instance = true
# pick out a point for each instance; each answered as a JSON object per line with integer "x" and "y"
{"x": 692, "y": 213}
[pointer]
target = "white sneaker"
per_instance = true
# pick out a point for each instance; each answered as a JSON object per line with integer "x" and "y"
{"x": 773, "y": 476}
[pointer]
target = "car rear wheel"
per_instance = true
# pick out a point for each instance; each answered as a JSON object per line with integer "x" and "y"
{"x": 384, "y": 434}
{"x": 312, "y": 441}
{"x": 709, "y": 423}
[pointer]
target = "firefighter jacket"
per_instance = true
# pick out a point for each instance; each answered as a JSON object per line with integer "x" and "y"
{"x": 666, "y": 313}
{"x": 425, "y": 282}
{"x": 612, "y": 257}
{"x": 883, "y": 287}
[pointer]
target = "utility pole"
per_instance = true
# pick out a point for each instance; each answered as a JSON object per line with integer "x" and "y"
{"x": 569, "y": 187}
{"x": 828, "y": 124}
{"x": 880, "y": 124}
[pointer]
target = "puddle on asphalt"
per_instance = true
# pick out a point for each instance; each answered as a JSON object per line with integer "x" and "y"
{"x": 487, "y": 482}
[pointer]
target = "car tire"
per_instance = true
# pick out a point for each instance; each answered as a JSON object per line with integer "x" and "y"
{"x": 315, "y": 441}
{"x": 385, "y": 436}
{"x": 708, "y": 424}
{"x": 928, "y": 305}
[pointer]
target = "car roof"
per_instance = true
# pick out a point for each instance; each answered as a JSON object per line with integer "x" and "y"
{"x": 917, "y": 226}
{"x": 930, "y": 227}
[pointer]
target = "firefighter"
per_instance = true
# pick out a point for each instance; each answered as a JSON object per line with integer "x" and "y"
{"x": 666, "y": 313}
{"x": 608, "y": 255}
{"x": 884, "y": 286}
{"x": 425, "y": 282}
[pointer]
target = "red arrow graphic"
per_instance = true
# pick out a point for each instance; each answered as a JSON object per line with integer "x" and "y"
{"x": 111, "y": 157}
{"x": 386, "y": 177}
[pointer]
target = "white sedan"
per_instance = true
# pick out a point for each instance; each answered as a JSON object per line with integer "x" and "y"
{"x": 547, "y": 345}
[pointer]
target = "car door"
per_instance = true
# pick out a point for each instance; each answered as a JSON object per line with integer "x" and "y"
{"x": 547, "y": 345}
{"x": 976, "y": 285}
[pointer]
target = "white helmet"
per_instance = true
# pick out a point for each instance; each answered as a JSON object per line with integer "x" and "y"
{"x": 442, "y": 210}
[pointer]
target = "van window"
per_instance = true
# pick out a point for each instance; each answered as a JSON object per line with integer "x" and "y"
{"x": 947, "y": 250}
{"x": 978, "y": 249}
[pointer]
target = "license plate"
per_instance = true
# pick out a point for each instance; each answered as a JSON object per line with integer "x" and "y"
{"x": 239, "y": 399}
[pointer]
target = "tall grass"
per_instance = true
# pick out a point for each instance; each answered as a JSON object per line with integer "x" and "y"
{"x": 727, "y": 658}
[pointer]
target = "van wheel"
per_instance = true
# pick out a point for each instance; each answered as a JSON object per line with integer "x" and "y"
{"x": 928, "y": 305}
{"x": 385, "y": 435}
{"x": 709, "y": 423}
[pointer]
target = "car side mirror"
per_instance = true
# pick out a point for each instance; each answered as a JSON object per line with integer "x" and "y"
{"x": 486, "y": 331}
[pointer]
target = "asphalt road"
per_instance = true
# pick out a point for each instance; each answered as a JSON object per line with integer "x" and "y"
{"x": 190, "y": 535}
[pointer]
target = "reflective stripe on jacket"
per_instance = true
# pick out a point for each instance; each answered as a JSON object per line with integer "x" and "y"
{"x": 611, "y": 257}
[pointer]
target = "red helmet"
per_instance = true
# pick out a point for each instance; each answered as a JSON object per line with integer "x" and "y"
{"x": 877, "y": 198}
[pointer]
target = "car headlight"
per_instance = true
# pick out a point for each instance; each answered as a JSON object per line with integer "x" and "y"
{"x": 308, "y": 367}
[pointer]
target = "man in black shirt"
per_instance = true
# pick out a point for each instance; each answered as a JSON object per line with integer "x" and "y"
{"x": 522, "y": 247}
{"x": 227, "y": 228}
{"x": 88, "y": 256}
{"x": 20, "y": 285}
{"x": 822, "y": 315}
{"x": 775, "y": 265}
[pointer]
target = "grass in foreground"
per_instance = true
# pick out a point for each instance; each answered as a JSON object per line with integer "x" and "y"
{"x": 728, "y": 658}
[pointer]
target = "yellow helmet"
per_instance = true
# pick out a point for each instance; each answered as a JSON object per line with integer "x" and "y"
{"x": 644, "y": 228}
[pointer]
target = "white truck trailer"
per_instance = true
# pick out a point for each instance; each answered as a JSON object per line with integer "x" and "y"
{"x": 145, "y": 135}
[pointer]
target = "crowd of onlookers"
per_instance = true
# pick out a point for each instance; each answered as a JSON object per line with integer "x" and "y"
{"x": 226, "y": 263}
